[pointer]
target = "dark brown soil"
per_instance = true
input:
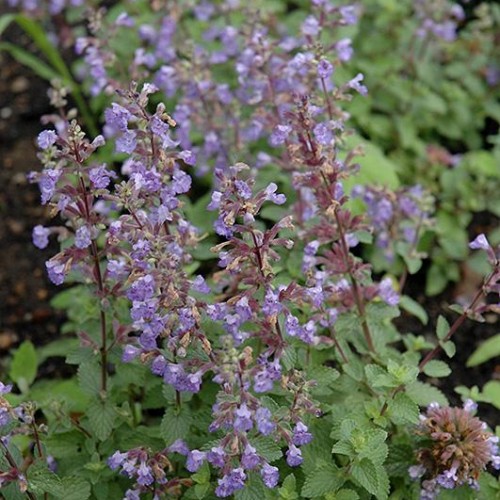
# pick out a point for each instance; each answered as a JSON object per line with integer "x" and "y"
{"x": 24, "y": 288}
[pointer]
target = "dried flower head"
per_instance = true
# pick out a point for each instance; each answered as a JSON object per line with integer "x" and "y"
{"x": 456, "y": 447}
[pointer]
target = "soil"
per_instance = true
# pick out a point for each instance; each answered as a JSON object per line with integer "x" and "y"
{"x": 25, "y": 291}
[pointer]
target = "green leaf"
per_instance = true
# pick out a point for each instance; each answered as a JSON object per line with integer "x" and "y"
{"x": 41, "y": 480}
{"x": 267, "y": 448}
{"x": 442, "y": 328}
{"x": 325, "y": 479}
{"x": 74, "y": 488}
{"x": 24, "y": 365}
{"x": 414, "y": 308}
{"x": 491, "y": 392}
{"x": 288, "y": 490}
{"x": 324, "y": 377}
{"x": 370, "y": 444}
{"x": 29, "y": 60}
{"x": 376, "y": 167}
{"x": 424, "y": 394}
{"x": 403, "y": 410}
{"x": 488, "y": 349}
{"x": 436, "y": 368}
{"x": 89, "y": 377}
{"x": 449, "y": 348}
{"x": 102, "y": 416}
{"x": 344, "y": 494}
{"x": 365, "y": 473}
{"x": 203, "y": 474}
{"x": 175, "y": 424}
{"x": 254, "y": 489}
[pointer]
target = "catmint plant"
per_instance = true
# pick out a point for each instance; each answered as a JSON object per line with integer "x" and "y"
{"x": 232, "y": 340}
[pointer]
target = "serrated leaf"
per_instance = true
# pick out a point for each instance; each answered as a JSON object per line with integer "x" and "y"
{"x": 442, "y": 328}
{"x": 424, "y": 394}
{"x": 89, "y": 377}
{"x": 403, "y": 409}
{"x": 436, "y": 368}
{"x": 324, "y": 377}
{"x": 372, "y": 445}
{"x": 344, "y": 447}
{"x": 202, "y": 476}
{"x": 288, "y": 490}
{"x": 102, "y": 416}
{"x": 323, "y": 480}
{"x": 365, "y": 473}
{"x": 254, "y": 489}
{"x": 24, "y": 365}
{"x": 289, "y": 358}
{"x": 175, "y": 424}
{"x": 488, "y": 349}
{"x": 74, "y": 488}
{"x": 267, "y": 448}
{"x": 345, "y": 494}
{"x": 400, "y": 457}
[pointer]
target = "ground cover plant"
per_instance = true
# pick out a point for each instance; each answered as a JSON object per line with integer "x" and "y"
{"x": 234, "y": 257}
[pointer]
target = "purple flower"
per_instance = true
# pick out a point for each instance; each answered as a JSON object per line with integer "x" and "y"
{"x": 181, "y": 182}
{"x": 195, "y": 460}
{"x": 117, "y": 118}
{"x": 323, "y": 133}
{"x": 179, "y": 446}
{"x": 344, "y": 49}
{"x": 100, "y": 176}
{"x": 127, "y": 142}
{"x": 217, "y": 457}
{"x": 199, "y": 285}
{"x": 56, "y": 271}
{"x": 279, "y": 135}
{"x": 301, "y": 434}
{"x": 470, "y": 406}
{"x": 243, "y": 189}
{"x": 243, "y": 420}
{"x": 47, "y": 183}
{"x": 142, "y": 289}
{"x": 270, "y": 191}
{"x": 130, "y": 353}
{"x": 349, "y": 14}
{"x": 479, "y": 243}
{"x": 40, "y": 236}
{"x": 265, "y": 377}
{"x": 116, "y": 460}
{"x": 5, "y": 389}
{"x": 144, "y": 476}
{"x": 293, "y": 456}
{"x": 250, "y": 459}
{"x": 231, "y": 482}
{"x": 82, "y": 237}
{"x": 310, "y": 26}
{"x": 46, "y": 139}
{"x": 356, "y": 85}
{"x": 132, "y": 495}
{"x": 387, "y": 292}
{"x": 263, "y": 420}
{"x": 270, "y": 475}
{"x": 325, "y": 69}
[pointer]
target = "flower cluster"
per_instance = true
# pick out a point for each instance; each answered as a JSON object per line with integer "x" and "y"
{"x": 456, "y": 447}
{"x": 439, "y": 19}
{"x": 147, "y": 469}
{"x": 396, "y": 217}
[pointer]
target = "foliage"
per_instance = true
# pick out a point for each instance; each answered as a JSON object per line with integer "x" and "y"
{"x": 230, "y": 324}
